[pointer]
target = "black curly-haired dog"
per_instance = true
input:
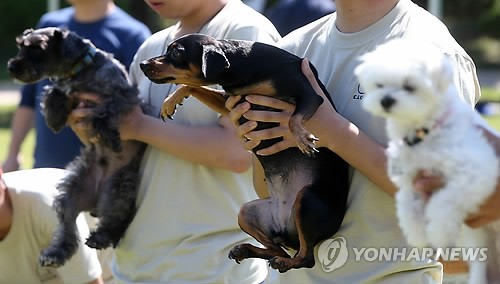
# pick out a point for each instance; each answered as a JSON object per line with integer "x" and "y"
{"x": 103, "y": 179}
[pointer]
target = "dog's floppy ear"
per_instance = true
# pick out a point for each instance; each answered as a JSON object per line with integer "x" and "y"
{"x": 20, "y": 38}
{"x": 59, "y": 34}
{"x": 213, "y": 61}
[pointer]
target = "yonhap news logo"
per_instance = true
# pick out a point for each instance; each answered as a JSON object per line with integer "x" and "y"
{"x": 333, "y": 254}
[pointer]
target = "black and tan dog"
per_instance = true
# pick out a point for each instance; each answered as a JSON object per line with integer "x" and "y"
{"x": 308, "y": 192}
{"x": 103, "y": 180}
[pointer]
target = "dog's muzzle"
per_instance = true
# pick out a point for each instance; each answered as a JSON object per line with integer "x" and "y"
{"x": 18, "y": 70}
{"x": 387, "y": 102}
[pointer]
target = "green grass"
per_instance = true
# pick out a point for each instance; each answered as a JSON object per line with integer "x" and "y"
{"x": 494, "y": 121}
{"x": 489, "y": 94}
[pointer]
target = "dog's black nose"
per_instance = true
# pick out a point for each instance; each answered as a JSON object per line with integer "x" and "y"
{"x": 12, "y": 67}
{"x": 144, "y": 65}
{"x": 387, "y": 102}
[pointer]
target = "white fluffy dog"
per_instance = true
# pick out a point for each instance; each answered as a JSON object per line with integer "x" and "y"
{"x": 430, "y": 127}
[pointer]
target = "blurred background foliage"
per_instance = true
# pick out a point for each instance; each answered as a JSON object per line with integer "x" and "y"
{"x": 20, "y": 15}
{"x": 475, "y": 24}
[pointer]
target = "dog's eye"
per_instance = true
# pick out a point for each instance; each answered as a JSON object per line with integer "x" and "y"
{"x": 380, "y": 86}
{"x": 174, "y": 53}
{"x": 409, "y": 88}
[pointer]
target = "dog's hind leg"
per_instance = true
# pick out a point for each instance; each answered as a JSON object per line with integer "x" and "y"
{"x": 316, "y": 220}
{"x": 56, "y": 107}
{"x": 305, "y": 256}
{"x": 68, "y": 204}
{"x": 116, "y": 209}
{"x": 72, "y": 200}
{"x": 254, "y": 219}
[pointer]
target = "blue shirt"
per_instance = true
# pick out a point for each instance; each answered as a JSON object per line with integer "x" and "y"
{"x": 288, "y": 15}
{"x": 117, "y": 33}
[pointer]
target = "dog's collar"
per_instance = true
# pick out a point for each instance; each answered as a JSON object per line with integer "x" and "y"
{"x": 420, "y": 133}
{"x": 87, "y": 59}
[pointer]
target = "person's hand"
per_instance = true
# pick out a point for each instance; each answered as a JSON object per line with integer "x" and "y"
{"x": 131, "y": 123}
{"x": 252, "y": 138}
{"x": 428, "y": 182}
{"x": 80, "y": 117}
{"x": 245, "y": 131}
{"x": 11, "y": 164}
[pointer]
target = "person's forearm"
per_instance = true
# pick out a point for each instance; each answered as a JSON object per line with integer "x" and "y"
{"x": 213, "y": 146}
{"x": 360, "y": 151}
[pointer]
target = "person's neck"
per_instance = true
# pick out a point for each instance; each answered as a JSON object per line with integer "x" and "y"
{"x": 93, "y": 10}
{"x": 5, "y": 214}
{"x": 193, "y": 22}
{"x": 356, "y": 15}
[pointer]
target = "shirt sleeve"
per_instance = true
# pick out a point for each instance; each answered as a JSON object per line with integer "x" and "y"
{"x": 84, "y": 266}
{"x": 28, "y": 96}
{"x": 466, "y": 79}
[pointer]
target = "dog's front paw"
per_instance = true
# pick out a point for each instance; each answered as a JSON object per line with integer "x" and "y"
{"x": 411, "y": 216}
{"x": 307, "y": 144}
{"x": 306, "y": 141}
{"x": 51, "y": 258}
{"x": 442, "y": 235}
{"x": 169, "y": 105}
{"x": 100, "y": 241}
{"x": 168, "y": 109}
{"x": 445, "y": 221}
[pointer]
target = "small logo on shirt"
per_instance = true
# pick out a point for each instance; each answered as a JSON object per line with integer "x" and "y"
{"x": 359, "y": 95}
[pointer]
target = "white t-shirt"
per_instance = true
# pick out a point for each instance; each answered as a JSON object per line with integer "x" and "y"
{"x": 32, "y": 193}
{"x": 370, "y": 221}
{"x": 186, "y": 222}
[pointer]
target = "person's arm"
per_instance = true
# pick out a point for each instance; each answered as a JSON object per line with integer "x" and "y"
{"x": 22, "y": 122}
{"x": 213, "y": 146}
{"x": 334, "y": 132}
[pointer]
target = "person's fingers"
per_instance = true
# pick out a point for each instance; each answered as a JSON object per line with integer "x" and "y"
{"x": 79, "y": 114}
{"x": 250, "y": 144}
{"x": 476, "y": 221}
{"x": 272, "y": 102}
{"x": 237, "y": 112}
{"x": 90, "y": 97}
{"x": 269, "y": 133}
{"x": 267, "y": 116}
{"x": 244, "y": 129}
{"x": 428, "y": 184}
{"x": 231, "y": 101}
